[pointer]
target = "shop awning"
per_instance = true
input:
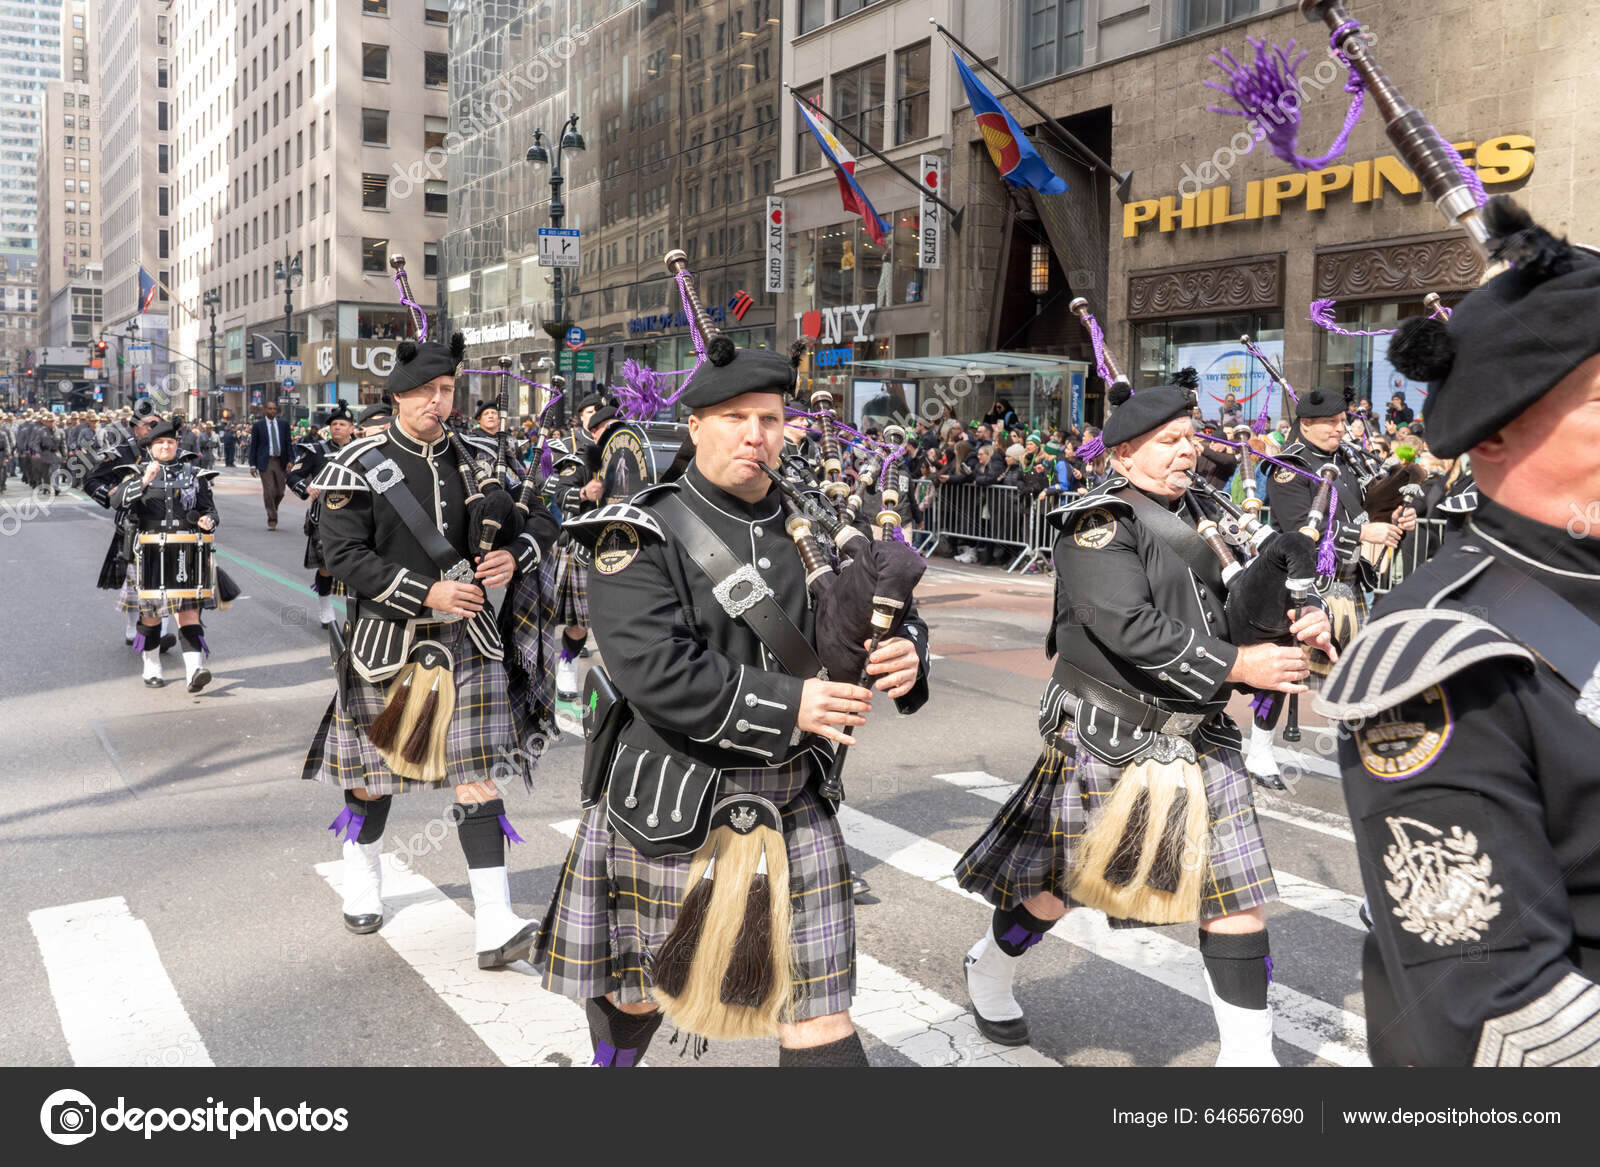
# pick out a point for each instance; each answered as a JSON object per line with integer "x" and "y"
{"x": 990, "y": 364}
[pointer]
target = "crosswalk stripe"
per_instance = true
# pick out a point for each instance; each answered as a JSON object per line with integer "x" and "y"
{"x": 914, "y": 1020}
{"x": 117, "y": 1005}
{"x": 1293, "y": 890}
{"x": 520, "y": 1022}
{"x": 1309, "y": 818}
{"x": 1326, "y": 1031}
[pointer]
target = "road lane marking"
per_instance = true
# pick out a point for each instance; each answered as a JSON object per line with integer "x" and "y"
{"x": 117, "y": 1005}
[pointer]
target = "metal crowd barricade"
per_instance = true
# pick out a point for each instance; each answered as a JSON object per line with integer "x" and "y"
{"x": 1000, "y": 516}
{"x": 1414, "y": 550}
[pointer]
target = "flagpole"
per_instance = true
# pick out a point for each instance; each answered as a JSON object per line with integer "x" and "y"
{"x": 1122, "y": 179}
{"x": 955, "y": 213}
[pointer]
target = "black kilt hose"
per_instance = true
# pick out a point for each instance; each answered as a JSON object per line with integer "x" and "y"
{"x": 482, "y": 742}
{"x": 1032, "y": 843}
{"x": 613, "y": 907}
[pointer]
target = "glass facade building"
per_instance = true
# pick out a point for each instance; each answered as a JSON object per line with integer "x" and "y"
{"x": 678, "y": 106}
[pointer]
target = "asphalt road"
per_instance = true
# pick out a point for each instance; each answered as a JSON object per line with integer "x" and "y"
{"x": 167, "y": 873}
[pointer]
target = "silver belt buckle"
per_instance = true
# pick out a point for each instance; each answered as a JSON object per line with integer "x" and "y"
{"x": 736, "y": 606}
{"x": 1181, "y": 724}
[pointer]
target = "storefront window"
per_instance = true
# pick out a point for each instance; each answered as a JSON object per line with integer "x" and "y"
{"x": 1211, "y": 345}
{"x": 910, "y": 281}
{"x": 1359, "y": 365}
{"x": 830, "y": 267}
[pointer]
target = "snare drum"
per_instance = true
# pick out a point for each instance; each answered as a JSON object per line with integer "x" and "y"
{"x": 176, "y": 565}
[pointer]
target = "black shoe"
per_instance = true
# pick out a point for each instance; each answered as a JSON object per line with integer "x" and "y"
{"x": 1012, "y": 1032}
{"x": 200, "y": 680}
{"x": 127, "y": 640}
{"x": 154, "y": 682}
{"x": 519, "y": 947}
{"x": 1273, "y": 782}
{"x": 361, "y": 925}
{"x": 585, "y": 652}
{"x": 858, "y": 886}
{"x": 167, "y": 643}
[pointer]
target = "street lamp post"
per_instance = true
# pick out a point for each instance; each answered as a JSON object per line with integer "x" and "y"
{"x": 211, "y": 299}
{"x": 557, "y": 327}
{"x": 287, "y": 270}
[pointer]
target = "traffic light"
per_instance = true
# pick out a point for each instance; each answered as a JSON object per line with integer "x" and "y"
{"x": 100, "y": 348}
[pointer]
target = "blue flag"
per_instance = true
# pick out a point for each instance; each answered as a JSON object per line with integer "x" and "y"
{"x": 147, "y": 290}
{"x": 1014, "y": 156}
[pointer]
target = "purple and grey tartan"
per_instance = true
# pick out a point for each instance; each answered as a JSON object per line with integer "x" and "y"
{"x": 482, "y": 742}
{"x": 570, "y": 586}
{"x": 613, "y": 907}
{"x": 1029, "y": 847}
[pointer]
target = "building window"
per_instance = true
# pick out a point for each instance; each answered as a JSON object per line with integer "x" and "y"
{"x": 375, "y": 127}
{"x": 375, "y": 7}
{"x": 1360, "y": 366}
{"x": 430, "y": 261}
{"x": 375, "y": 62}
{"x": 77, "y": 64}
{"x": 434, "y": 197}
{"x": 436, "y": 69}
{"x": 434, "y": 130}
{"x": 77, "y": 22}
{"x": 374, "y": 254}
{"x": 69, "y": 163}
{"x": 1162, "y": 347}
{"x": 436, "y": 15}
{"x": 1203, "y": 14}
{"x": 911, "y": 93}
{"x": 858, "y": 102}
{"x": 807, "y": 154}
{"x": 161, "y": 73}
{"x": 374, "y": 192}
{"x": 163, "y": 243}
{"x": 812, "y": 14}
{"x": 162, "y": 196}
{"x": 846, "y": 7}
{"x": 1053, "y": 32}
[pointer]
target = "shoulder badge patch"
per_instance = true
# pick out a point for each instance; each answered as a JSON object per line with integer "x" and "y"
{"x": 1406, "y": 740}
{"x": 616, "y": 547}
{"x": 1439, "y": 882}
{"x": 336, "y": 500}
{"x": 1095, "y": 529}
{"x": 1284, "y": 475}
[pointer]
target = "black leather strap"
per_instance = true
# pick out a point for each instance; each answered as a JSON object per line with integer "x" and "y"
{"x": 1138, "y": 710}
{"x": 765, "y": 618}
{"x": 1178, "y": 535}
{"x": 1524, "y": 608}
{"x": 404, "y": 503}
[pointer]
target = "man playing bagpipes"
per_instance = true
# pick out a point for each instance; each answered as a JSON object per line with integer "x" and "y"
{"x": 708, "y": 877}
{"x": 1139, "y": 804}
{"x": 417, "y": 538}
{"x": 1316, "y": 442}
{"x": 1473, "y": 697}
{"x": 310, "y": 458}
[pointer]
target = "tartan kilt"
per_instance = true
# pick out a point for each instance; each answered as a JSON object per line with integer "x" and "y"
{"x": 613, "y": 908}
{"x": 482, "y": 741}
{"x": 570, "y": 586}
{"x": 1031, "y": 845}
{"x": 128, "y": 600}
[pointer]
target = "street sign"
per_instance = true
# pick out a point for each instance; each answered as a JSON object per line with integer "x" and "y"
{"x": 558, "y": 246}
{"x": 575, "y": 336}
{"x": 140, "y": 354}
{"x": 585, "y": 362}
{"x": 286, "y": 371}
{"x": 288, "y": 382}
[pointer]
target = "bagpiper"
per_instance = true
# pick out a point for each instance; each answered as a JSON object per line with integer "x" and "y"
{"x": 422, "y": 699}
{"x": 1470, "y": 706}
{"x": 310, "y": 458}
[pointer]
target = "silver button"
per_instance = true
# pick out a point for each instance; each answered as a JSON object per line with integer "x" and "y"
{"x": 763, "y": 564}
{"x": 652, "y": 820}
{"x": 725, "y": 744}
{"x": 1211, "y": 617}
{"x": 750, "y": 699}
{"x": 758, "y": 531}
{"x": 742, "y": 725}
{"x": 1183, "y": 667}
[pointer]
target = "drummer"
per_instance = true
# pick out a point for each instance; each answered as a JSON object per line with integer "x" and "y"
{"x": 164, "y": 494}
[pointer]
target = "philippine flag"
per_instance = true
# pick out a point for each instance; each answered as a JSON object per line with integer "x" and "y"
{"x": 147, "y": 290}
{"x": 1014, "y": 156}
{"x": 844, "y": 168}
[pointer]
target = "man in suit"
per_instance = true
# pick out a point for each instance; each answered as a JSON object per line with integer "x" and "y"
{"x": 270, "y": 452}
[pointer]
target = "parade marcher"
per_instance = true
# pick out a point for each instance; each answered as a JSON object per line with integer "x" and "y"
{"x": 310, "y": 458}
{"x": 717, "y": 711}
{"x": 1472, "y": 701}
{"x": 1315, "y": 441}
{"x": 271, "y": 449}
{"x": 422, "y": 699}
{"x": 1149, "y": 644}
{"x": 487, "y": 419}
{"x": 117, "y": 569}
{"x": 569, "y": 578}
{"x": 165, "y": 495}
